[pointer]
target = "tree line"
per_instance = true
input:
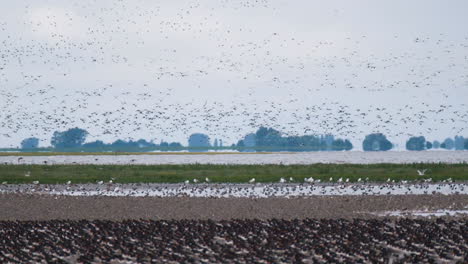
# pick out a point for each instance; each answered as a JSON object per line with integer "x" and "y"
{"x": 420, "y": 143}
{"x": 74, "y": 140}
{"x": 264, "y": 139}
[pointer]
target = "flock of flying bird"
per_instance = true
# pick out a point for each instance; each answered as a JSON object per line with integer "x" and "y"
{"x": 126, "y": 74}
{"x": 235, "y": 241}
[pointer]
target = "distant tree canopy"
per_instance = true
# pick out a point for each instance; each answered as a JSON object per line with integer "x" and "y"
{"x": 30, "y": 143}
{"x": 164, "y": 144}
{"x": 428, "y": 145}
{"x": 376, "y": 142}
{"x": 459, "y": 143}
{"x": 416, "y": 143}
{"x": 119, "y": 143}
{"x": 272, "y": 139}
{"x": 72, "y": 138}
{"x": 448, "y": 144}
{"x": 342, "y": 144}
{"x": 267, "y": 137}
{"x": 198, "y": 140}
{"x": 250, "y": 140}
{"x": 98, "y": 144}
{"x": 123, "y": 145}
{"x": 175, "y": 145}
{"x": 142, "y": 143}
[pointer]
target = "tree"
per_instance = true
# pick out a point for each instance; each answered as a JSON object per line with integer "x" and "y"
{"x": 249, "y": 140}
{"x": 448, "y": 144}
{"x": 268, "y": 137}
{"x": 459, "y": 143}
{"x": 215, "y": 144}
{"x": 199, "y": 140}
{"x": 328, "y": 141}
{"x": 175, "y": 145}
{"x": 122, "y": 144}
{"x": 142, "y": 143}
{"x": 30, "y": 143}
{"x": 416, "y": 143}
{"x": 240, "y": 143}
{"x": 348, "y": 145}
{"x": 338, "y": 145}
{"x": 72, "y": 138}
{"x": 376, "y": 142}
{"x": 466, "y": 143}
{"x": 95, "y": 144}
{"x": 428, "y": 145}
{"x": 436, "y": 144}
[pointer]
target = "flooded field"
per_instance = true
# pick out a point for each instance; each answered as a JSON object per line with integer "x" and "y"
{"x": 353, "y": 157}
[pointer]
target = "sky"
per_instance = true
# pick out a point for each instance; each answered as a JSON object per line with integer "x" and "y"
{"x": 161, "y": 70}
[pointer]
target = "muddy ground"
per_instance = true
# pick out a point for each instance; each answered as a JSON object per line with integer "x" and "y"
{"x": 49, "y": 207}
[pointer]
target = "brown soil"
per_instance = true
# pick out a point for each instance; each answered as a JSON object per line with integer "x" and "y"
{"x": 48, "y": 207}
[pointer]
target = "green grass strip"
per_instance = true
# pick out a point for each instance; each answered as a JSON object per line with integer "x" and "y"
{"x": 52, "y": 174}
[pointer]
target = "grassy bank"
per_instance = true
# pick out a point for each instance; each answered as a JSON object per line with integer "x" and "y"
{"x": 227, "y": 173}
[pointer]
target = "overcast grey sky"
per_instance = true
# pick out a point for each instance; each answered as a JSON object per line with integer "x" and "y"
{"x": 165, "y": 69}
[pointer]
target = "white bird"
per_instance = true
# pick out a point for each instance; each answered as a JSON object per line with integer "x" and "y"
{"x": 110, "y": 181}
{"x": 100, "y": 182}
{"x": 4, "y": 182}
{"x": 347, "y": 179}
{"x": 68, "y": 182}
{"x": 318, "y": 181}
{"x": 421, "y": 172}
{"x": 282, "y": 180}
{"x": 187, "y": 182}
{"x": 207, "y": 180}
{"x": 291, "y": 179}
{"x": 359, "y": 180}
{"x": 388, "y": 180}
{"x": 309, "y": 179}
{"x": 340, "y": 180}
{"x": 252, "y": 180}
{"x": 195, "y": 180}
{"x": 331, "y": 179}
{"x": 36, "y": 182}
